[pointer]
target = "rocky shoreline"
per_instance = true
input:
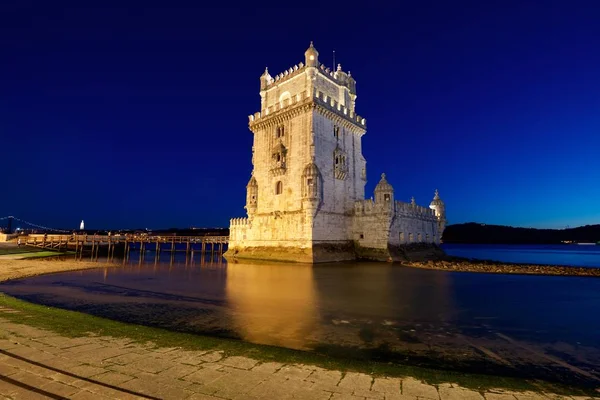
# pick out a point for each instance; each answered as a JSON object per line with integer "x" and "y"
{"x": 496, "y": 267}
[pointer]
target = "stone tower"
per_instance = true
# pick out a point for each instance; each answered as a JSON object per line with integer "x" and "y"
{"x": 305, "y": 198}
{"x": 308, "y": 167}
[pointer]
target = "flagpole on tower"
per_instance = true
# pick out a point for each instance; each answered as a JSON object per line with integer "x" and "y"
{"x": 333, "y": 69}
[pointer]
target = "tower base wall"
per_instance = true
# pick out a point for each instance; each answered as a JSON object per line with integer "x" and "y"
{"x": 318, "y": 253}
{"x": 335, "y": 252}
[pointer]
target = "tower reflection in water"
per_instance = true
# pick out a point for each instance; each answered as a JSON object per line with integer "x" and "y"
{"x": 351, "y": 304}
{"x": 273, "y": 304}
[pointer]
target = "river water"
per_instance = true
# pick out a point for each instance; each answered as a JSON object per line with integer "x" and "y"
{"x": 529, "y": 326}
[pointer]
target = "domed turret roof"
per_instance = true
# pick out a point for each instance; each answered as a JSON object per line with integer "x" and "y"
{"x": 279, "y": 148}
{"x": 436, "y": 200}
{"x": 383, "y": 185}
{"x": 311, "y": 169}
{"x": 311, "y": 56}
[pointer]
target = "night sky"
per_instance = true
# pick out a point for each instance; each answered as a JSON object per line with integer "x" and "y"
{"x": 137, "y": 115}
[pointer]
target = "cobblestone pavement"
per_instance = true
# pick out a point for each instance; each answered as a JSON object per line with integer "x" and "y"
{"x": 38, "y": 364}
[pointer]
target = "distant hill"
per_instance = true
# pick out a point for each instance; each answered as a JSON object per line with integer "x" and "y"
{"x": 482, "y": 233}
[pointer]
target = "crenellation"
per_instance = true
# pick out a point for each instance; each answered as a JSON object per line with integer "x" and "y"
{"x": 305, "y": 200}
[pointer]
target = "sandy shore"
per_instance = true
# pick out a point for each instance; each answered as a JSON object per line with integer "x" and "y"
{"x": 494, "y": 267}
{"x": 14, "y": 269}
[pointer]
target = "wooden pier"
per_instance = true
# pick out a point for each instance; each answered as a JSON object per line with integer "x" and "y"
{"x": 91, "y": 244}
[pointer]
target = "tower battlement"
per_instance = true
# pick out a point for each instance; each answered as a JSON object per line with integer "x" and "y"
{"x": 339, "y": 77}
{"x": 238, "y": 221}
{"x": 318, "y": 97}
{"x": 407, "y": 210}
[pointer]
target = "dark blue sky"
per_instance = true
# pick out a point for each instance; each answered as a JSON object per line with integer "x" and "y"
{"x": 135, "y": 115}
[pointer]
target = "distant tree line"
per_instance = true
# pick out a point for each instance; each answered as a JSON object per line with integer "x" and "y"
{"x": 482, "y": 233}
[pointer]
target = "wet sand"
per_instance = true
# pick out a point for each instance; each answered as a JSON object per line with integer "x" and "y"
{"x": 14, "y": 269}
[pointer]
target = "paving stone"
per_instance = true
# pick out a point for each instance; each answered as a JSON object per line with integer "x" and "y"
{"x": 325, "y": 376}
{"x": 267, "y": 368}
{"x": 529, "y": 396}
{"x": 178, "y": 371}
{"x": 213, "y": 356}
{"x": 87, "y": 371}
{"x": 200, "y": 396}
{"x": 155, "y": 389}
{"x": 60, "y": 389}
{"x": 275, "y": 388}
{"x": 369, "y": 394}
{"x": 499, "y": 396}
{"x": 293, "y": 372}
{"x": 344, "y": 396}
{"x": 190, "y": 357}
{"x": 153, "y": 365}
{"x": 387, "y": 385}
{"x": 7, "y": 388}
{"x": 357, "y": 381}
{"x": 457, "y": 393}
{"x": 30, "y": 379}
{"x": 307, "y": 394}
{"x": 204, "y": 376}
{"x": 552, "y": 396}
{"x": 113, "y": 378}
{"x": 24, "y": 394}
{"x": 86, "y": 395}
{"x": 31, "y": 353}
{"x": 128, "y": 358}
{"x": 390, "y": 396}
{"x": 239, "y": 362}
{"x": 7, "y": 370}
{"x": 84, "y": 348}
{"x": 99, "y": 356}
{"x": 413, "y": 387}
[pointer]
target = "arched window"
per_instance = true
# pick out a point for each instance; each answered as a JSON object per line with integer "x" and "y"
{"x": 410, "y": 238}
{"x": 280, "y": 131}
{"x": 401, "y": 237}
{"x": 278, "y": 187}
{"x": 419, "y": 238}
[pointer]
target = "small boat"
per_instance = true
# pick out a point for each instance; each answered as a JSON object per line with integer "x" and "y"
{"x": 587, "y": 244}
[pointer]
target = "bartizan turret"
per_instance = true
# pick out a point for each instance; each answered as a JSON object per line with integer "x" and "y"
{"x": 438, "y": 207}
{"x": 311, "y": 56}
{"x": 384, "y": 195}
{"x": 251, "y": 196}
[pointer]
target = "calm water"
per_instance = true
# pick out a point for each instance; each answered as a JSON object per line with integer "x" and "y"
{"x": 530, "y": 326}
{"x": 574, "y": 255}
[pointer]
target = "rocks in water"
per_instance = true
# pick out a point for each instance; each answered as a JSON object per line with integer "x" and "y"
{"x": 495, "y": 267}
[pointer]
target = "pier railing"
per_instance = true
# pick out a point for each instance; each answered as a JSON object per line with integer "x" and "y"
{"x": 157, "y": 243}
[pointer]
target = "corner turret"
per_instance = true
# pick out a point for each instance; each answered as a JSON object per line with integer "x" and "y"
{"x": 311, "y": 56}
{"x": 384, "y": 192}
{"x": 251, "y": 196}
{"x": 265, "y": 79}
{"x": 438, "y": 207}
